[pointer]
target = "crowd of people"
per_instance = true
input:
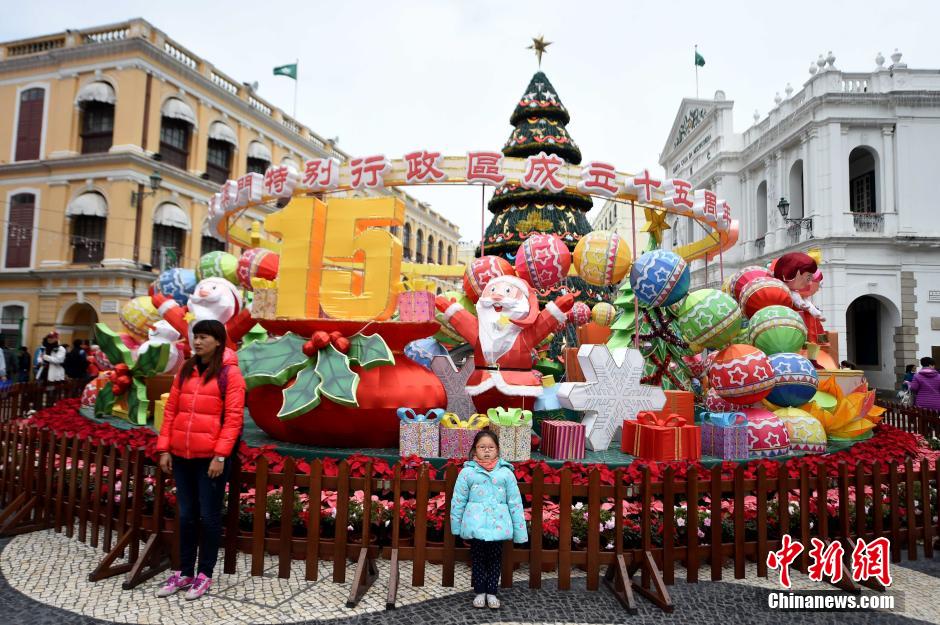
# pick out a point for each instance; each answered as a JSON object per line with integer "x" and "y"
{"x": 922, "y": 388}
{"x": 51, "y": 362}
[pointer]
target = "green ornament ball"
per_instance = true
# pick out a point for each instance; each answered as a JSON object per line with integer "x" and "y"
{"x": 218, "y": 265}
{"x": 777, "y": 330}
{"x": 709, "y": 318}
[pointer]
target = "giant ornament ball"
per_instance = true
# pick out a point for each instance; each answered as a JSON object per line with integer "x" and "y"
{"x": 740, "y": 279}
{"x": 602, "y": 258}
{"x": 709, "y": 318}
{"x": 481, "y": 271}
{"x": 762, "y": 292}
{"x": 741, "y": 374}
{"x": 543, "y": 260}
{"x": 766, "y": 433}
{"x": 603, "y": 314}
{"x": 659, "y": 278}
{"x": 580, "y": 314}
{"x": 177, "y": 283}
{"x": 807, "y": 434}
{"x": 218, "y": 265}
{"x": 256, "y": 262}
{"x": 795, "y": 380}
{"x": 138, "y": 315}
{"x": 777, "y": 329}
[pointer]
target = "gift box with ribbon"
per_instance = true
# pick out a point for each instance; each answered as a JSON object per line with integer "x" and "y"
{"x": 419, "y": 434}
{"x": 655, "y": 437}
{"x": 457, "y": 434}
{"x": 416, "y": 301}
{"x": 724, "y": 435}
{"x": 264, "y": 303}
{"x": 563, "y": 440}
{"x": 513, "y": 428}
{"x": 548, "y": 400}
{"x": 681, "y": 403}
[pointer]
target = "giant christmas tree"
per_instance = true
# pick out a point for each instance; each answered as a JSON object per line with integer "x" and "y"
{"x": 539, "y": 122}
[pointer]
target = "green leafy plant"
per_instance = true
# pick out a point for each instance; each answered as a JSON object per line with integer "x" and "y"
{"x": 148, "y": 364}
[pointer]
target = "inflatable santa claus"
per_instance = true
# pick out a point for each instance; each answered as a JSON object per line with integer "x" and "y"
{"x": 213, "y": 298}
{"x": 505, "y": 334}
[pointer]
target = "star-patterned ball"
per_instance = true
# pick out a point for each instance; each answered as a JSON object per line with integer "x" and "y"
{"x": 777, "y": 329}
{"x": 481, "y": 271}
{"x": 795, "y": 380}
{"x": 807, "y": 434}
{"x": 580, "y": 314}
{"x": 659, "y": 278}
{"x": 138, "y": 314}
{"x": 762, "y": 292}
{"x": 257, "y": 262}
{"x": 741, "y": 374}
{"x": 218, "y": 265}
{"x": 602, "y": 258}
{"x": 176, "y": 283}
{"x": 543, "y": 260}
{"x": 767, "y": 435}
{"x": 603, "y": 314}
{"x": 716, "y": 403}
{"x": 709, "y": 318}
{"x": 736, "y": 283}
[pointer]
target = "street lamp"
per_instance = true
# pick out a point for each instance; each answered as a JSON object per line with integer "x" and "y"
{"x": 156, "y": 180}
{"x": 784, "y": 207}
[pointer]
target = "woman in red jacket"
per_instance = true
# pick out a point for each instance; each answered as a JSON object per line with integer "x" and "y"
{"x": 201, "y": 425}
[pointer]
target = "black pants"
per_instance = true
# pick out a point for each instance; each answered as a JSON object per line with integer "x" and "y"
{"x": 487, "y": 557}
{"x": 199, "y": 504}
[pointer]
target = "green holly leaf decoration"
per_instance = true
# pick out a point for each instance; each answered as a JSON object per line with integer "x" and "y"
{"x": 273, "y": 361}
{"x": 152, "y": 361}
{"x": 369, "y": 351}
{"x": 338, "y": 382}
{"x": 257, "y": 333}
{"x": 302, "y": 396}
{"x": 113, "y": 347}
{"x": 104, "y": 404}
{"x": 137, "y": 402}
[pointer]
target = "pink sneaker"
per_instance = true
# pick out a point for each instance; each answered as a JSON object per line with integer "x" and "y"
{"x": 175, "y": 582}
{"x": 199, "y": 587}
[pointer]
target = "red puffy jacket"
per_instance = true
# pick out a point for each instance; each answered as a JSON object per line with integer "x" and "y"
{"x": 193, "y": 424}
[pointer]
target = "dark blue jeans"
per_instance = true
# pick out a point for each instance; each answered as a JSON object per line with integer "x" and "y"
{"x": 199, "y": 505}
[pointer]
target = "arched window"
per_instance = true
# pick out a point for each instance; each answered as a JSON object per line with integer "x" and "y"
{"x": 406, "y": 243}
{"x": 862, "y": 181}
{"x": 430, "y": 248}
{"x": 796, "y": 191}
{"x": 170, "y": 225}
{"x": 259, "y": 158}
{"x": 222, "y": 142}
{"x": 419, "y": 245}
{"x": 11, "y": 322}
{"x": 760, "y": 223}
{"x": 20, "y": 231}
{"x": 29, "y": 124}
{"x": 440, "y": 252}
{"x": 176, "y": 127}
{"x": 450, "y": 254}
{"x": 88, "y": 214}
{"x": 208, "y": 242}
{"x": 96, "y": 104}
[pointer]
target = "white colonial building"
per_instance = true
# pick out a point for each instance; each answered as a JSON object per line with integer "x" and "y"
{"x": 853, "y": 159}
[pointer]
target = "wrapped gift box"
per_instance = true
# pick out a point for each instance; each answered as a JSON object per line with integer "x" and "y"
{"x": 513, "y": 428}
{"x": 419, "y": 434}
{"x": 159, "y": 406}
{"x": 681, "y": 403}
{"x": 416, "y": 306}
{"x": 264, "y": 302}
{"x": 593, "y": 333}
{"x": 725, "y": 435}
{"x": 653, "y": 437}
{"x": 563, "y": 440}
{"x": 573, "y": 371}
{"x": 457, "y": 435}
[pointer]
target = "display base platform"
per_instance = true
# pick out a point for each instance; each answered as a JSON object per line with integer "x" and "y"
{"x": 255, "y": 437}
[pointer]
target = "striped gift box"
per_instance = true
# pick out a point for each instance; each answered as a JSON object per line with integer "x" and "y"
{"x": 563, "y": 440}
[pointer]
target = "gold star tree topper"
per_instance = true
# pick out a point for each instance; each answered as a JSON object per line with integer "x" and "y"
{"x": 539, "y": 45}
{"x": 655, "y": 223}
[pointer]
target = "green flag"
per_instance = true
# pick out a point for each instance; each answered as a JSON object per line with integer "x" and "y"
{"x": 291, "y": 70}
{"x": 699, "y": 60}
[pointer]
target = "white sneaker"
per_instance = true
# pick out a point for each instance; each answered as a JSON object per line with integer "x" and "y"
{"x": 492, "y": 602}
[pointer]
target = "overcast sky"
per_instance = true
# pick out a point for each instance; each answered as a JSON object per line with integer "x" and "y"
{"x": 390, "y": 77}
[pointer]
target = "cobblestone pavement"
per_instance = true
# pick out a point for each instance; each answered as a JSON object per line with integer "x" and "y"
{"x": 43, "y": 579}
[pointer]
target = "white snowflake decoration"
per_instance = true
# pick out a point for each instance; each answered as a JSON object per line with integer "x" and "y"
{"x": 611, "y": 394}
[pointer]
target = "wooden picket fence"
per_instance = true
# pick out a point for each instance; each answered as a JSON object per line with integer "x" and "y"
{"x": 114, "y": 498}
{"x": 18, "y": 399}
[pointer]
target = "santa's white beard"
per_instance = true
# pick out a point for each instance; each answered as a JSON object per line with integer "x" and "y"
{"x": 210, "y": 309}
{"x": 496, "y": 339}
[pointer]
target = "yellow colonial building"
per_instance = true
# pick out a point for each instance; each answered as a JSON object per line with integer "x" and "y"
{"x": 112, "y": 140}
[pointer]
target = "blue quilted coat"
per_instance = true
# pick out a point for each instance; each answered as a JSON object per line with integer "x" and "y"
{"x": 487, "y": 505}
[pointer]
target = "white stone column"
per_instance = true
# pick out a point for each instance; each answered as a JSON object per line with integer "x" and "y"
{"x": 888, "y": 195}
{"x": 770, "y": 237}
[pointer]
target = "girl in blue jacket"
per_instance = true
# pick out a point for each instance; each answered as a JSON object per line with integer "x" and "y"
{"x": 486, "y": 509}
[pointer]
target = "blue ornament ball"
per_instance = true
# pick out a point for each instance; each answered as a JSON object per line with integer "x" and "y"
{"x": 177, "y": 283}
{"x": 795, "y": 380}
{"x": 659, "y": 278}
{"x": 423, "y": 350}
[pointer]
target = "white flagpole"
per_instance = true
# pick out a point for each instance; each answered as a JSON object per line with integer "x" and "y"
{"x": 695, "y": 60}
{"x": 297, "y": 79}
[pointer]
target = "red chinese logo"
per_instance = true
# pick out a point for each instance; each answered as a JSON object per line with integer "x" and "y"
{"x": 367, "y": 172}
{"x": 540, "y": 172}
{"x": 599, "y": 178}
{"x": 643, "y": 184}
{"x": 826, "y": 561}
{"x": 485, "y": 167}
{"x": 870, "y": 560}
{"x": 424, "y": 166}
{"x": 783, "y": 558}
{"x": 321, "y": 174}
{"x": 677, "y": 193}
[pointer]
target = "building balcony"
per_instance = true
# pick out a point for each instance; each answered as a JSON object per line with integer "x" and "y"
{"x": 759, "y": 245}
{"x": 869, "y": 222}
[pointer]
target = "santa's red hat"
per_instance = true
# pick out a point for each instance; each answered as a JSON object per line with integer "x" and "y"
{"x": 525, "y": 287}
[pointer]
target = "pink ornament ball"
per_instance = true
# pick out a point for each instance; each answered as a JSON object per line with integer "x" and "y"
{"x": 543, "y": 260}
{"x": 580, "y": 314}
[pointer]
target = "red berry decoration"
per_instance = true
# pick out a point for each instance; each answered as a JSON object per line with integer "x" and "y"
{"x": 341, "y": 344}
{"x": 309, "y": 349}
{"x": 320, "y": 339}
